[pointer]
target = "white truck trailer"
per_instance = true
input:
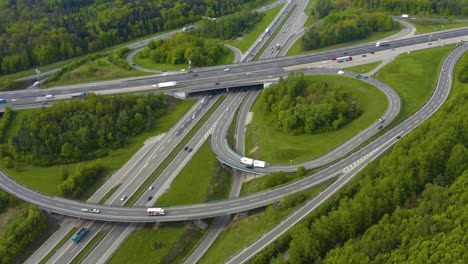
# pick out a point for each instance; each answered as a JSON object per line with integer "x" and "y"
{"x": 259, "y": 164}
{"x": 165, "y": 84}
{"x": 155, "y": 211}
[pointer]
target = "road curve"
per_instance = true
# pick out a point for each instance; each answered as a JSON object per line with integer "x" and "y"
{"x": 435, "y": 102}
{"x": 178, "y": 213}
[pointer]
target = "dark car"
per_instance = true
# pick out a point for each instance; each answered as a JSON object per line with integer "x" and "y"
{"x": 190, "y": 71}
{"x": 398, "y": 137}
{"x": 190, "y": 149}
{"x": 372, "y": 52}
{"x": 363, "y": 55}
{"x": 185, "y": 148}
{"x": 380, "y": 127}
{"x": 217, "y": 83}
{"x": 149, "y": 198}
{"x": 164, "y": 70}
{"x": 359, "y": 76}
{"x": 195, "y": 75}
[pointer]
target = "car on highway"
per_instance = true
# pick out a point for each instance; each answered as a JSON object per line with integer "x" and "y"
{"x": 95, "y": 211}
{"x": 14, "y": 100}
{"x": 381, "y": 120}
{"x": 186, "y": 148}
{"x": 164, "y": 70}
{"x": 363, "y": 55}
{"x": 194, "y": 116}
{"x": 380, "y": 127}
{"x": 50, "y": 96}
{"x": 123, "y": 198}
{"x": 149, "y": 198}
{"x": 372, "y": 52}
{"x": 340, "y": 72}
{"x": 190, "y": 149}
{"x": 359, "y": 76}
{"x": 260, "y": 40}
{"x": 182, "y": 70}
{"x": 430, "y": 43}
{"x": 226, "y": 69}
{"x": 195, "y": 75}
{"x": 151, "y": 188}
{"x": 84, "y": 210}
{"x": 216, "y": 83}
{"x": 398, "y": 137}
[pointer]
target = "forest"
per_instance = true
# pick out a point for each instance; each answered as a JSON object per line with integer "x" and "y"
{"x": 182, "y": 48}
{"x": 229, "y": 27}
{"x": 83, "y": 129}
{"x": 295, "y": 107}
{"x": 40, "y": 32}
{"x": 346, "y": 25}
{"x": 388, "y": 194}
{"x": 424, "y": 7}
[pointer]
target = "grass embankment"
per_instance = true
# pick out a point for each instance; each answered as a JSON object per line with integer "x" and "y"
{"x": 47, "y": 179}
{"x": 414, "y": 76}
{"x": 192, "y": 185}
{"x": 98, "y": 70}
{"x": 296, "y": 48}
{"x": 173, "y": 154}
{"x": 89, "y": 247}
{"x": 273, "y": 35}
{"x": 243, "y": 43}
{"x": 426, "y": 26}
{"x": 243, "y": 231}
{"x": 276, "y": 147}
{"x": 363, "y": 68}
{"x": 58, "y": 245}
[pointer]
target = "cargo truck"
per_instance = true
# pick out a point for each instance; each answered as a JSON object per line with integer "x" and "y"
{"x": 345, "y": 58}
{"x": 250, "y": 163}
{"x": 74, "y": 95}
{"x": 165, "y": 84}
{"x": 81, "y": 233}
{"x": 3, "y": 101}
{"x": 155, "y": 211}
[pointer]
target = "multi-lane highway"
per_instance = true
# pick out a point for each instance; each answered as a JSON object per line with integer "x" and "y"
{"x": 178, "y": 213}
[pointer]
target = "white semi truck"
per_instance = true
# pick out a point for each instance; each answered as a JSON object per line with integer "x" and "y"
{"x": 165, "y": 84}
{"x": 155, "y": 211}
{"x": 251, "y": 163}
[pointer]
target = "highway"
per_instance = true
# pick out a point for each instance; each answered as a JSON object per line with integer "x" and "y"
{"x": 178, "y": 213}
{"x": 441, "y": 93}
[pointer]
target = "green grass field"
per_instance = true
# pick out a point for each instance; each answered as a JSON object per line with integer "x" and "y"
{"x": 138, "y": 248}
{"x": 244, "y": 42}
{"x": 241, "y": 232}
{"x": 193, "y": 182}
{"x": 296, "y": 48}
{"x": 414, "y": 76}
{"x": 47, "y": 179}
{"x": 427, "y": 26}
{"x": 365, "y": 68}
{"x": 279, "y": 148}
{"x": 98, "y": 70}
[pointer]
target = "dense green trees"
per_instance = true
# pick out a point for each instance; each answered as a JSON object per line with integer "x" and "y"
{"x": 182, "y": 48}
{"x": 5, "y": 121}
{"x": 20, "y": 233}
{"x": 74, "y": 185}
{"x": 346, "y": 25}
{"x": 292, "y": 106}
{"x": 230, "y": 26}
{"x": 422, "y": 7}
{"x": 44, "y": 31}
{"x": 433, "y": 232}
{"x": 436, "y": 152}
{"x": 80, "y": 130}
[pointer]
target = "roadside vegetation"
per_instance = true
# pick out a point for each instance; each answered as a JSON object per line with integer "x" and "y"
{"x": 47, "y": 179}
{"x": 413, "y": 76}
{"x": 243, "y": 231}
{"x": 278, "y": 147}
{"x": 426, "y": 26}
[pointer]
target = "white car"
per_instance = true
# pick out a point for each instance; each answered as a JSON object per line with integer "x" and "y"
{"x": 226, "y": 70}
{"x": 193, "y": 116}
{"x": 340, "y": 72}
{"x": 94, "y": 211}
{"x": 151, "y": 188}
{"x": 14, "y": 100}
{"x": 182, "y": 70}
{"x": 123, "y": 198}
{"x": 49, "y": 96}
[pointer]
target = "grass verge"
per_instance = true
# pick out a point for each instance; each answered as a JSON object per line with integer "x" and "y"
{"x": 296, "y": 48}
{"x": 98, "y": 70}
{"x": 243, "y": 231}
{"x": 243, "y": 43}
{"x": 426, "y": 26}
{"x": 279, "y": 148}
{"x": 89, "y": 247}
{"x": 197, "y": 180}
{"x": 273, "y": 35}
{"x": 174, "y": 153}
{"x": 47, "y": 179}
{"x": 58, "y": 246}
{"x": 413, "y": 76}
{"x": 108, "y": 194}
{"x": 363, "y": 68}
